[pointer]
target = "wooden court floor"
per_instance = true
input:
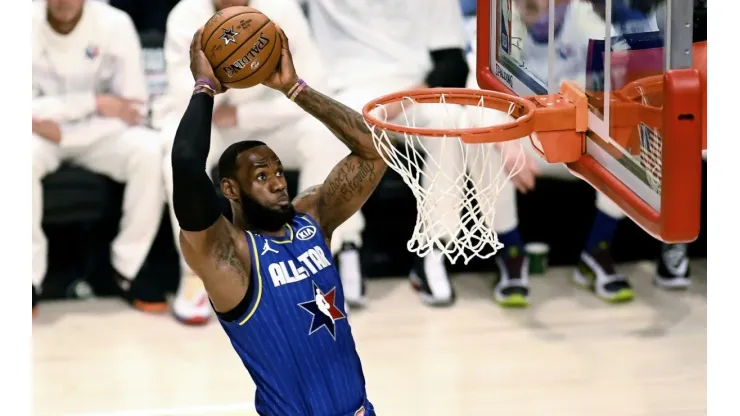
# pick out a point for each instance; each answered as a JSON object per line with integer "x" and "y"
{"x": 568, "y": 355}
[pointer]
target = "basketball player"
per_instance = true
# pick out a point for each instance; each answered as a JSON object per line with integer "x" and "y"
{"x": 269, "y": 272}
{"x": 259, "y": 113}
{"x": 383, "y": 46}
{"x": 87, "y": 81}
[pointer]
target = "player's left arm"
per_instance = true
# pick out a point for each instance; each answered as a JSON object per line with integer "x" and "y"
{"x": 353, "y": 179}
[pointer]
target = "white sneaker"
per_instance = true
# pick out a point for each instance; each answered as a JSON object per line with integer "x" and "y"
{"x": 350, "y": 271}
{"x": 191, "y": 305}
{"x": 429, "y": 278}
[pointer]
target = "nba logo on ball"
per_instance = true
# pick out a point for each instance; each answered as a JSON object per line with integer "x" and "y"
{"x": 305, "y": 233}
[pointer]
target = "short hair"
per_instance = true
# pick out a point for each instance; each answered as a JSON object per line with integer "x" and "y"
{"x": 227, "y": 164}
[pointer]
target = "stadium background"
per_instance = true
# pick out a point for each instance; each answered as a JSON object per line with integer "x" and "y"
{"x": 82, "y": 209}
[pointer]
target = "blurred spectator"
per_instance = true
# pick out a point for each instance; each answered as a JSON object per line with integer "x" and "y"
{"x": 87, "y": 84}
{"x": 631, "y": 17}
{"x": 148, "y": 15}
{"x": 596, "y": 270}
{"x": 376, "y": 47}
{"x": 575, "y": 24}
{"x": 257, "y": 113}
{"x": 468, "y": 7}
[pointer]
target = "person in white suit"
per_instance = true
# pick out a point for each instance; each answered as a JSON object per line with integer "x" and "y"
{"x": 378, "y": 47}
{"x": 257, "y": 113}
{"x": 88, "y": 84}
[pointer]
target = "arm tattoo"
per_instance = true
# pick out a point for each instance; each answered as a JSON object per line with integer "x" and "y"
{"x": 225, "y": 254}
{"x": 347, "y": 124}
{"x": 348, "y": 179}
{"x": 354, "y": 179}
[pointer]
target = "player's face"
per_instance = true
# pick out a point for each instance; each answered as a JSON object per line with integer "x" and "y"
{"x": 65, "y": 11}
{"x": 263, "y": 189}
{"x": 222, "y": 4}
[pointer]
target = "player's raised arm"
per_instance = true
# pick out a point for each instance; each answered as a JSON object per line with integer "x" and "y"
{"x": 356, "y": 176}
{"x": 210, "y": 244}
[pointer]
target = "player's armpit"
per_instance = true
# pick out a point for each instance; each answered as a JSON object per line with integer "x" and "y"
{"x": 307, "y": 201}
{"x": 220, "y": 257}
{"x": 346, "y": 189}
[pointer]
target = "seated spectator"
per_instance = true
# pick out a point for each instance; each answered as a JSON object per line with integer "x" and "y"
{"x": 384, "y": 46}
{"x": 88, "y": 83}
{"x": 148, "y": 15}
{"x": 257, "y": 113}
{"x": 596, "y": 270}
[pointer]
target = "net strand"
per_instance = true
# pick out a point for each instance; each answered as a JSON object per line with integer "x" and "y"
{"x": 472, "y": 183}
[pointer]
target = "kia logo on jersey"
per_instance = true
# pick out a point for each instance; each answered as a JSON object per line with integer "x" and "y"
{"x": 305, "y": 233}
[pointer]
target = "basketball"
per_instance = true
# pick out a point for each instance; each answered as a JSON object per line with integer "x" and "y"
{"x": 242, "y": 46}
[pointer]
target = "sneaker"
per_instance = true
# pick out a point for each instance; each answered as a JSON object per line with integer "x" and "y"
{"x": 673, "y": 271}
{"x": 348, "y": 264}
{"x": 429, "y": 278}
{"x": 511, "y": 288}
{"x": 191, "y": 305}
{"x": 596, "y": 272}
{"x": 143, "y": 294}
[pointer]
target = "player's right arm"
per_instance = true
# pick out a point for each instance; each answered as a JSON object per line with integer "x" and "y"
{"x": 181, "y": 22}
{"x": 215, "y": 250}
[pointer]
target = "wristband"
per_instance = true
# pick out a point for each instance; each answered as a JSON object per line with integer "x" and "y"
{"x": 204, "y": 84}
{"x": 206, "y": 81}
{"x": 205, "y": 89}
{"x": 296, "y": 89}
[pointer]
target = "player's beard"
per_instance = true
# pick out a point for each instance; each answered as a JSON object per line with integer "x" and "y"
{"x": 264, "y": 218}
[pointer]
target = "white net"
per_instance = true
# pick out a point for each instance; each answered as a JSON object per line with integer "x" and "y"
{"x": 456, "y": 184}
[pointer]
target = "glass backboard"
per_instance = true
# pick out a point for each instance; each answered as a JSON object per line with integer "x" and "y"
{"x": 633, "y": 60}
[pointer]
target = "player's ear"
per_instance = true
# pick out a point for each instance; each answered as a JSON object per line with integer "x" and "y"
{"x": 230, "y": 189}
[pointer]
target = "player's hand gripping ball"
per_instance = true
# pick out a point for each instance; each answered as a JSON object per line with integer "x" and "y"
{"x": 241, "y": 45}
{"x": 199, "y": 65}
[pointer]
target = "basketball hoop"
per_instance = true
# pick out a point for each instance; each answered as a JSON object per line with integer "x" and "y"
{"x": 469, "y": 178}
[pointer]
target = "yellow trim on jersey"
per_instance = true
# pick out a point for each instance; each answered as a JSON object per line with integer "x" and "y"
{"x": 289, "y": 240}
{"x": 256, "y": 259}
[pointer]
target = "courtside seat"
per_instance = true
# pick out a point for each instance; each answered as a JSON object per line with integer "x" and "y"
{"x": 76, "y": 195}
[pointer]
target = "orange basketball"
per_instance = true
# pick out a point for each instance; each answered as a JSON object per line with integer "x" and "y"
{"x": 242, "y": 46}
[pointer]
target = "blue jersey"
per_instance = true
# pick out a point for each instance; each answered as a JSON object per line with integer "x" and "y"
{"x": 293, "y": 335}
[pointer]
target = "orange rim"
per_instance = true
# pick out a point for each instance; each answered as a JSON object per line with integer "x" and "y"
{"x": 560, "y": 119}
{"x": 523, "y": 110}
